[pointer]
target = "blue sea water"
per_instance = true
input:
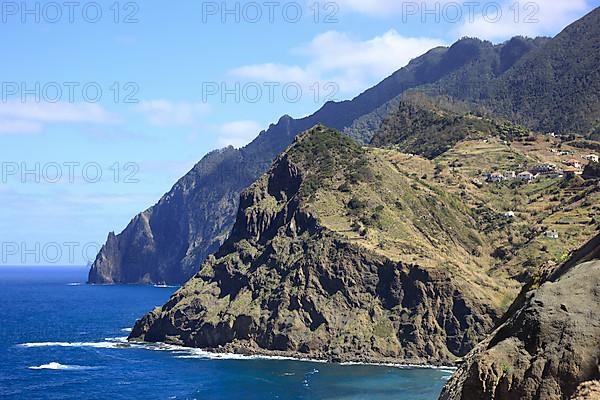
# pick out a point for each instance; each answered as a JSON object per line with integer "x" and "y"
{"x": 62, "y": 339}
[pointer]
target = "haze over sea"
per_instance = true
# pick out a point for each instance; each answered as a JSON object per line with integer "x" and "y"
{"x": 63, "y": 339}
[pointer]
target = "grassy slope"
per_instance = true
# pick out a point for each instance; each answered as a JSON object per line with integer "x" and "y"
{"x": 429, "y": 212}
{"x": 376, "y": 202}
{"x": 569, "y": 207}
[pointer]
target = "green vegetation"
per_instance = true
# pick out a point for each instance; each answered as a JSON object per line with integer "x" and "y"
{"x": 323, "y": 154}
{"x": 420, "y": 127}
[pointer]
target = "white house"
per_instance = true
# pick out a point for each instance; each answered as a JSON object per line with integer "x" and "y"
{"x": 592, "y": 158}
{"x": 526, "y": 176}
{"x": 477, "y": 182}
{"x": 543, "y": 168}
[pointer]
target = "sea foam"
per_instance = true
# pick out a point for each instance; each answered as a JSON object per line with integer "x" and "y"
{"x": 61, "y": 367}
{"x": 113, "y": 343}
{"x": 191, "y": 353}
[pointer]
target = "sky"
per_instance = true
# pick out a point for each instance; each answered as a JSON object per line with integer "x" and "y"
{"x": 104, "y": 105}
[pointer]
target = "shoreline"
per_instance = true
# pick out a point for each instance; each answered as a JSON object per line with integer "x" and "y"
{"x": 222, "y": 354}
{"x": 254, "y": 354}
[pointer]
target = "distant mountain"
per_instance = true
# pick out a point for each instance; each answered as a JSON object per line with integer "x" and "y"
{"x": 548, "y": 85}
{"x": 545, "y": 84}
{"x": 167, "y": 242}
{"x": 553, "y": 87}
{"x": 482, "y": 63}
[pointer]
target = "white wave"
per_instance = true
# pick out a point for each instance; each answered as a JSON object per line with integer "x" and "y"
{"x": 61, "y": 367}
{"x": 126, "y": 329}
{"x": 74, "y": 284}
{"x": 112, "y": 344}
{"x": 209, "y": 355}
{"x": 118, "y": 339}
{"x": 191, "y": 353}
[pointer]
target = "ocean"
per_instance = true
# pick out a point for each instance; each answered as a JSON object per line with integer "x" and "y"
{"x": 63, "y": 339}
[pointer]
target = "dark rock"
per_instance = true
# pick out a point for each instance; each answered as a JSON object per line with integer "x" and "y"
{"x": 548, "y": 345}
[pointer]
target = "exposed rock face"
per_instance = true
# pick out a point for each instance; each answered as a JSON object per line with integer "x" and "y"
{"x": 548, "y": 345}
{"x": 284, "y": 283}
{"x": 168, "y": 242}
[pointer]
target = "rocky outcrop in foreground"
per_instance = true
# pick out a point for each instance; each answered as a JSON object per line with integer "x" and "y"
{"x": 549, "y": 345}
{"x": 285, "y": 284}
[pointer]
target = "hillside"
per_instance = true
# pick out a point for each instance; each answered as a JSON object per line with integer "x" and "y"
{"x": 421, "y": 125}
{"x": 553, "y": 88}
{"x": 337, "y": 242}
{"x": 167, "y": 242}
{"x": 548, "y": 346}
{"x": 480, "y": 63}
{"x": 547, "y": 85}
{"x": 327, "y": 262}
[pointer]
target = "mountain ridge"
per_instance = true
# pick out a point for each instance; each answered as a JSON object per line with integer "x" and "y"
{"x": 205, "y": 215}
{"x": 196, "y": 224}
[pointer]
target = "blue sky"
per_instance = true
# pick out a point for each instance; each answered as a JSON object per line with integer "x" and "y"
{"x": 122, "y": 98}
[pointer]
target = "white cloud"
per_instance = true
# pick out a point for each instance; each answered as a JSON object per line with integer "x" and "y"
{"x": 237, "y": 133}
{"x": 371, "y": 7}
{"x": 22, "y": 117}
{"x": 542, "y": 17}
{"x": 518, "y": 17}
{"x": 192, "y": 117}
{"x": 8, "y": 126}
{"x": 166, "y": 113}
{"x": 337, "y": 57}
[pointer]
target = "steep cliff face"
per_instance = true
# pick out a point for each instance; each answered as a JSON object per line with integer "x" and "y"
{"x": 292, "y": 279}
{"x": 549, "y": 344}
{"x": 168, "y": 242}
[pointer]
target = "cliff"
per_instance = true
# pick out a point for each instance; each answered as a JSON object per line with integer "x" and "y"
{"x": 549, "y": 344}
{"x": 328, "y": 262}
{"x": 168, "y": 242}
